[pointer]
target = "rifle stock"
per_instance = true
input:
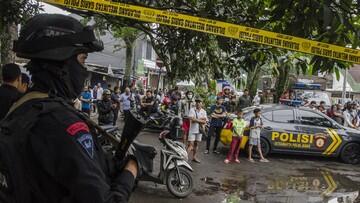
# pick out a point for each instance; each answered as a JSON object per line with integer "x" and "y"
{"x": 133, "y": 125}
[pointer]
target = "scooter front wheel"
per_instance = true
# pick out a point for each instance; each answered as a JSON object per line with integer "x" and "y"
{"x": 182, "y": 186}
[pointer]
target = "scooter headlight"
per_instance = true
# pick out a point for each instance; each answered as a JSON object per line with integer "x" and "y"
{"x": 182, "y": 151}
{"x": 178, "y": 147}
{"x": 183, "y": 154}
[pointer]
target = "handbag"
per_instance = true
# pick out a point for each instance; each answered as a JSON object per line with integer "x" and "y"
{"x": 202, "y": 127}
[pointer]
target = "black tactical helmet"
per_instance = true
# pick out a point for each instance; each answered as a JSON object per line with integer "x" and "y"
{"x": 107, "y": 92}
{"x": 55, "y": 37}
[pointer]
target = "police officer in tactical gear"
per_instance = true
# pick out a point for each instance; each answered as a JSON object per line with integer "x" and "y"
{"x": 66, "y": 161}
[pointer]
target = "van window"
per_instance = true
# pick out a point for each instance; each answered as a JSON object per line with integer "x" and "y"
{"x": 284, "y": 116}
{"x": 268, "y": 115}
{"x": 312, "y": 118}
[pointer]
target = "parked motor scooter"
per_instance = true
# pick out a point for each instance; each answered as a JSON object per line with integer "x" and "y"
{"x": 174, "y": 169}
{"x": 158, "y": 119}
{"x": 166, "y": 120}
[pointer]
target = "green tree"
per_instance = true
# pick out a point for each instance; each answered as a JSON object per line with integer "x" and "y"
{"x": 120, "y": 30}
{"x": 288, "y": 64}
{"x": 329, "y": 21}
{"x": 129, "y": 36}
{"x": 13, "y": 12}
{"x": 192, "y": 55}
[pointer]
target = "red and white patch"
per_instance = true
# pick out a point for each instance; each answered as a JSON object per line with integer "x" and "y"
{"x": 74, "y": 128}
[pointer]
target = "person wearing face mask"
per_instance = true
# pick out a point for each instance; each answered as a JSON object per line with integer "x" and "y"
{"x": 9, "y": 89}
{"x": 227, "y": 98}
{"x": 59, "y": 152}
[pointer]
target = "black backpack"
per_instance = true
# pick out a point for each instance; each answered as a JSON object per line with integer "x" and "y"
{"x": 16, "y": 180}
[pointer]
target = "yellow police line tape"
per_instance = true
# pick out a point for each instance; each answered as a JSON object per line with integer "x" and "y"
{"x": 215, "y": 27}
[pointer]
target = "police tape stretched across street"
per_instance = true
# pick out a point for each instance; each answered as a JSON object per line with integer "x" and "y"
{"x": 214, "y": 27}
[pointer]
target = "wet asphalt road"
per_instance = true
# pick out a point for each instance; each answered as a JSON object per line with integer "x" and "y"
{"x": 294, "y": 179}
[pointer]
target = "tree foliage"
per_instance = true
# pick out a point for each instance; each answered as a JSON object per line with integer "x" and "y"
{"x": 129, "y": 36}
{"x": 13, "y": 12}
{"x": 329, "y": 21}
{"x": 17, "y": 11}
{"x": 198, "y": 56}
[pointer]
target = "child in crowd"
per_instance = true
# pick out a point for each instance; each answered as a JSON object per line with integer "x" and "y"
{"x": 255, "y": 128}
{"x": 239, "y": 125}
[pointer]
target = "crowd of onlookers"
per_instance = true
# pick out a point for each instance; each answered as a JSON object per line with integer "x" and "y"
{"x": 347, "y": 115}
{"x": 218, "y": 117}
{"x": 196, "y": 119}
{"x": 109, "y": 102}
{"x": 195, "y": 116}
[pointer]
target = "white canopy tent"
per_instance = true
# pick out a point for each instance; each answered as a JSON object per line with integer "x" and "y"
{"x": 185, "y": 84}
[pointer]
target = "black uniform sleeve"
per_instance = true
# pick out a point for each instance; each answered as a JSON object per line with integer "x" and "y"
{"x": 65, "y": 150}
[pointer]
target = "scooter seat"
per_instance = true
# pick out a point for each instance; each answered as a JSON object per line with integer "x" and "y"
{"x": 107, "y": 127}
{"x": 145, "y": 148}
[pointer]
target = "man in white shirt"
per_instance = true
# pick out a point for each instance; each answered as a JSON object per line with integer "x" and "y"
{"x": 198, "y": 119}
{"x": 256, "y": 100}
{"x": 100, "y": 92}
{"x": 351, "y": 119}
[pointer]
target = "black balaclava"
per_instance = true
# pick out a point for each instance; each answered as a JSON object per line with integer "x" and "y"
{"x": 62, "y": 79}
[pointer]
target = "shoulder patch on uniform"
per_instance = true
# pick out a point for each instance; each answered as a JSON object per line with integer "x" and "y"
{"x": 77, "y": 127}
{"x": 87, "y": 143}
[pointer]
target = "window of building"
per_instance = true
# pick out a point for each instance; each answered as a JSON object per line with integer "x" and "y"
{"x": 329, "y": 84}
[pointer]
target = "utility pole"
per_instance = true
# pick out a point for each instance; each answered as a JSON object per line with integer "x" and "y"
{"x": 344, "y": 87}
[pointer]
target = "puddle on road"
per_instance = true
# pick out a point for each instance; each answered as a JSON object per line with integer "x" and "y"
{"x": 312, "y": 186}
